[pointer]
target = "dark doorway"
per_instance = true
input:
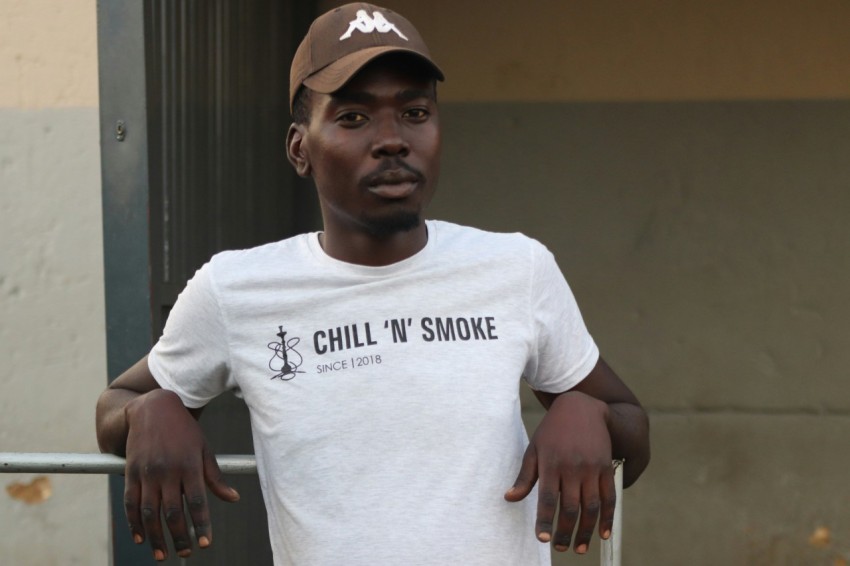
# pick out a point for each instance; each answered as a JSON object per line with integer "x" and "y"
{"x": 194, "y": 112}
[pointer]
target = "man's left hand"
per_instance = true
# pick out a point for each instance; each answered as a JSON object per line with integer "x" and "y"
{"x": 570, "y": 453}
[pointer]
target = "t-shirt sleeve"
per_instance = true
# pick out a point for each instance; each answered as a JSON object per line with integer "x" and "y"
{"x": 192, "y": 357}
{"x": 564, "y": 353}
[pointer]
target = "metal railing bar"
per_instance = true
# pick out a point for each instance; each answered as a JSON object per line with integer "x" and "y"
{"x": 610, "y": 551}
{"x": 76, "y": 463}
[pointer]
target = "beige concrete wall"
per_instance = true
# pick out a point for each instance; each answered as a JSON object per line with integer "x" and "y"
{"x": 51, "y": 277}
{"x": 48, "y": 54}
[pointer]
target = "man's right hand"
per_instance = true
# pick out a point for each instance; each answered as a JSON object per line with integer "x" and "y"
{"x": 168, "y": 460}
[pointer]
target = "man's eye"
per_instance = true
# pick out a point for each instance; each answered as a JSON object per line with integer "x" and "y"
{"x": 352, "y": 118}
{"x": 416, "y": 113}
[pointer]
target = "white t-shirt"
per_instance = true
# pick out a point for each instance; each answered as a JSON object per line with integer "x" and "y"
{"x": 384, "y": 401}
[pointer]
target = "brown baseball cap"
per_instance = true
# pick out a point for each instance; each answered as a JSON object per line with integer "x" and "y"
{"x": 340, "y": 42}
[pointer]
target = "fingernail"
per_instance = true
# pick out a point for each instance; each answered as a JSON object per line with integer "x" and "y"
{"x": 581, "y": 549}
{"x": 203, "y": 542}
{"x": 235, "y": 493}
{"x": 606, "y": 535}
{"x": 560, "y": 547}
{"x": 137, "y": 539}
{"x": 184, "y": 553}
{"x": 544, "y": 537}
{"x": 159, "y": 555}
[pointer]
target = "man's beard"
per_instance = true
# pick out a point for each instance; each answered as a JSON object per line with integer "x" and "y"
{"x": 386, "y": 226}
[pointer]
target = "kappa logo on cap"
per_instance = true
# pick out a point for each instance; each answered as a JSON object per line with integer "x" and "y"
{"x": 377, "y": 22}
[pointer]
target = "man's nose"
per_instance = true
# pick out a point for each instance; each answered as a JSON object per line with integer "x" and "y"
{"x": 390, "y": 139}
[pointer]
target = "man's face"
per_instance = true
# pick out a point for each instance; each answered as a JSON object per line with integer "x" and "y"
{"x": 373, "y": 149}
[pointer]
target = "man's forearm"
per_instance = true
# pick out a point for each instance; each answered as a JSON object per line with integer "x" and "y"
{"x": 115, "y": 409}
{"x": 134, "y": 386}
{"x": 111, "y": 422}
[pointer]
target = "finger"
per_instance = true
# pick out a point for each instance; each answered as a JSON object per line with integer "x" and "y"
{"x": 608, "y": 500}
{"x": 149, "y": 510}
{"x": 196, "y": 501}
{"x": 547, "y": 504}
{"x": 215, "y": 481}
{"x": 132, "y": 496}
{"x": 526, "y": 477}
{"x": 175, "y": 520}
{"x": 567, "y": 514}
{"x": 589, "y": 514}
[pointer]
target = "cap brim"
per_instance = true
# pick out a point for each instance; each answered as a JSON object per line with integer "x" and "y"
{"x": 331, "y": 78}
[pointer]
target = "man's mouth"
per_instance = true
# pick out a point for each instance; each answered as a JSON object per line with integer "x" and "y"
{"x": 394, "y": 184}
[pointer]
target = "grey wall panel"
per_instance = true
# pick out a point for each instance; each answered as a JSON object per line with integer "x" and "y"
{"x": 707, "y": 242}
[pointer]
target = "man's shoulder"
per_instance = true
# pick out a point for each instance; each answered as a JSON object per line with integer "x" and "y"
{"x": 259, "y": 262}
{"x": 451, "y": 234}
{"x": 270, "y": 250}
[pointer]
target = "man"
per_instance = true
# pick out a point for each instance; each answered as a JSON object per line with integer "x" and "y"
{"x": 380, "y": 359}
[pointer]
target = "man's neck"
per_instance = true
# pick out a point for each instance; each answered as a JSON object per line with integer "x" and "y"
{"x": 364, "y": 249}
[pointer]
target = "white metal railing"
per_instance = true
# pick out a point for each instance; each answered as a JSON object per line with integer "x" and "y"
{"x": 611, "y": 550}
{"x": 74, "y": 463}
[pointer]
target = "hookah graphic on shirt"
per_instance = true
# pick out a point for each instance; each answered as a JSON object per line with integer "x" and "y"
{"x": 286, "y": 360}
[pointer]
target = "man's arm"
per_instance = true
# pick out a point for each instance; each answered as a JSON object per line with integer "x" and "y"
{"x": 571, "y": 452}
{"x": 167, "y": 460}
{"x": 628, "y": 423}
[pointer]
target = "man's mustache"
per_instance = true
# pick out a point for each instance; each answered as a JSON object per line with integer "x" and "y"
{"x": 394, "y": 165}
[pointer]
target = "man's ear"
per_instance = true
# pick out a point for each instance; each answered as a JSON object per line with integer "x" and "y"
{"x": 296, "y": 150}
